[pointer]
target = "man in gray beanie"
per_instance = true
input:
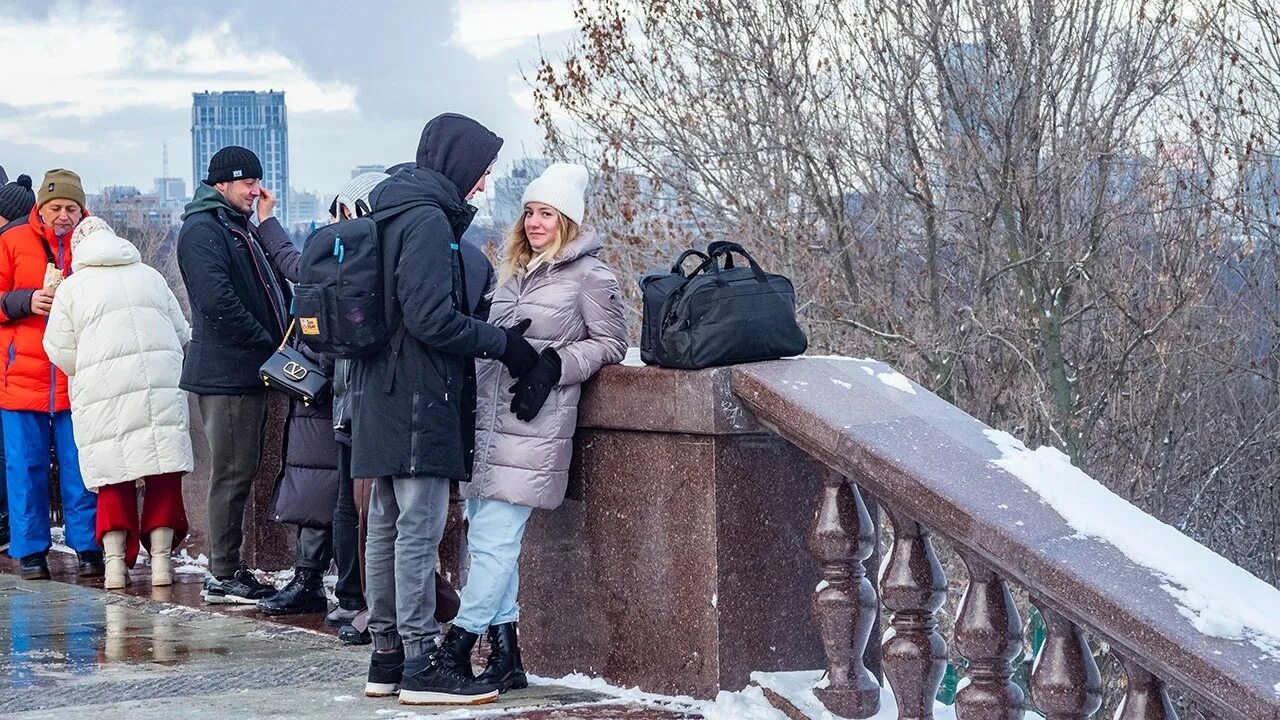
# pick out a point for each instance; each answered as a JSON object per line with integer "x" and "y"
{"x": 16, "y": 200}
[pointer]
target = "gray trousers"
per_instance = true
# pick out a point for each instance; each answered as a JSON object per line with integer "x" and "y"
{"x": 406, "y": 521}
{"x": 233, "y": 424}
{"x": 314, "y": 550}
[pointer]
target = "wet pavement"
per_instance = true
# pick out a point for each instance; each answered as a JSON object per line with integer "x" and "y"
{"x": 69, "y": 649}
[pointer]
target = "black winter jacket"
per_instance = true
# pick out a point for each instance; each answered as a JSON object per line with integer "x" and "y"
{"x": 414, "y": 400}
{"x": 239, "y": 305}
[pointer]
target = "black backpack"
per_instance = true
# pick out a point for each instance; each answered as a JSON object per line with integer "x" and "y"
{"x": 340, "y": 300}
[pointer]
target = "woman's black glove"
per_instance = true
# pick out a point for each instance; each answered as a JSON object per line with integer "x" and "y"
{"x": 531, "y": 391}
{"x": 519, "y": 356}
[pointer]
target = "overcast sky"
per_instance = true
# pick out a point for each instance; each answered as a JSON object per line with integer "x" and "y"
{"x": 100, "y": 87}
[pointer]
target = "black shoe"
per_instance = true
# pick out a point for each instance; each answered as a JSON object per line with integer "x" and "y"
{"x": 35, "y": 567}
{"x": 91, "y": 564}
{"x": 434, "y": 681}
{"x": 385, "y": 671}
{"x": 303, "y": 594}
{"x": 504, "y": 670}
{"x": 340, "y": 616}
{"x": 350, "y": 635}
{"x": 455, "y": 651}
{"x": 241, "y": 589}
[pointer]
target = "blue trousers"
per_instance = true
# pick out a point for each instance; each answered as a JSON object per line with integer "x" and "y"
{"x": 495, "y": 530}
{"x": 27, "y": 438}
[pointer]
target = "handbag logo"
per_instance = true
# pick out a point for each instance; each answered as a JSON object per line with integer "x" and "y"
{"x": 310, "y": 325}
{"x": 294, "y": 370}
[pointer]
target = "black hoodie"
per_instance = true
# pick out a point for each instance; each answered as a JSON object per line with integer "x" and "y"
{"x": 409, "y": 414}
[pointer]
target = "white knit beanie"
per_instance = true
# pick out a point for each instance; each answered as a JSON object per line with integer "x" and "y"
{"x": 359, "y": 188}
{"x": 562, "y": 186}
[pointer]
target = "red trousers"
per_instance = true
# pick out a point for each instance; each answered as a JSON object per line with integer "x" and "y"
{"x": 161, "y": 507}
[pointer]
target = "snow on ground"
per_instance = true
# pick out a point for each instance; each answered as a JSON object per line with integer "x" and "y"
{"x": 798, "y": 687}
{"x": 1218, "y": 597}
{"x": 748, "y": 704}
{"x": 184, "y": 564}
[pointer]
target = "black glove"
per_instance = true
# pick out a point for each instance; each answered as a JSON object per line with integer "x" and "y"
{"x": 519, "y": 355}
{"x": 531, "y": 391}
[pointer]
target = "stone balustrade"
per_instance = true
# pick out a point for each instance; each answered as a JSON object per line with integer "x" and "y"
{"x": 929, "y": 465}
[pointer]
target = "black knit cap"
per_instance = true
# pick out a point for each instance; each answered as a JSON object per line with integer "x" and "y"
{"x": 16, "y": 198}
{"x": 233, "y": 163}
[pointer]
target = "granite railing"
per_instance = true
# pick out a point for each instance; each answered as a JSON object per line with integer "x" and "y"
{"x": 929, "y": 466}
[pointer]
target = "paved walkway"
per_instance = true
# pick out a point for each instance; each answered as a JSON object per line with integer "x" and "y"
{"x": 72, "y": 650}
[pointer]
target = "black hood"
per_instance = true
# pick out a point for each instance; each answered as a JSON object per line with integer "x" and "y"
{"x": 458, "y": 148}
{"x": 418, "y": 186}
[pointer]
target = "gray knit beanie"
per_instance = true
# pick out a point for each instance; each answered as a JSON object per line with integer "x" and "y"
{"x": 355, "y": 194}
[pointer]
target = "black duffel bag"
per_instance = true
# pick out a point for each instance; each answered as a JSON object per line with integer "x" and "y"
{"x": 721, "y": 315}
{"x": 654, "y": 290}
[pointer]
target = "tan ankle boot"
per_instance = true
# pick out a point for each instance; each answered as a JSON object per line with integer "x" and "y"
{"x": 161, "y": 546}
{"x": 113, "y": 559}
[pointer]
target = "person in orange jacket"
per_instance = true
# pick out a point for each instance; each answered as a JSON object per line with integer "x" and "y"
{"x": 35, "y": 409}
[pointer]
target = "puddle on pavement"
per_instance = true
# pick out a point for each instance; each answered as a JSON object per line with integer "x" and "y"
{"x": 51, "y": 638}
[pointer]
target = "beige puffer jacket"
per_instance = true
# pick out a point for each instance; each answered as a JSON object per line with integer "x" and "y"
{"x": 575, "y": 306}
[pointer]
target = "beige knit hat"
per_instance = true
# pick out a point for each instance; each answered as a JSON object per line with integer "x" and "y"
{"x": 60, "y": 184}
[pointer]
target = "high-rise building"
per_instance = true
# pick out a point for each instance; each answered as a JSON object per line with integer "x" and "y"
{"x": 361, "y": 169}
{"x": 255, "y": 120}
{"x": 172, "y": 191}
{"x": 304, "y": 209}
{"x": 507, "y": 191}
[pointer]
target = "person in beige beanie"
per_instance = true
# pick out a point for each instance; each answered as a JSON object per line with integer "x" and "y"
{"x": 34, "y": 404}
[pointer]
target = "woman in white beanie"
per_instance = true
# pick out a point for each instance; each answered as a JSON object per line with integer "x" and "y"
{"x": 551, "y": 279}
{"x": 117, "y": 331}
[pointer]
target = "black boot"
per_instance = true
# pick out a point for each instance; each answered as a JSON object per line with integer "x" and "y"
{"x": 504, "y": 670}
{"x": 91, "y": 563}
{"x": 303, "y": 594}
{"x": 35, "y": 567}
{"x": 455, "y": 651}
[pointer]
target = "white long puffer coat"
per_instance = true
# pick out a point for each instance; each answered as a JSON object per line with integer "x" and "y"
{"x": 117, "y": 331}
{"x": 575, "y": 306}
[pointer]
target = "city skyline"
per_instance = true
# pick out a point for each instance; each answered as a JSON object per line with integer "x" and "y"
{"x": 136, "y": 63}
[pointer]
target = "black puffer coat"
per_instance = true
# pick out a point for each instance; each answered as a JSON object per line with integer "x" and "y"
{"x": 307, "y": 491}
{"x": 410, "y": 398}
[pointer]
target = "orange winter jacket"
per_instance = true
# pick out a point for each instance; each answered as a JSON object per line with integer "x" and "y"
{"x": 30, "y": 381}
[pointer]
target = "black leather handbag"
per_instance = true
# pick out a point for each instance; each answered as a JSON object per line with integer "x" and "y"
{"x": 722, "y": 315}
{"x": 293, "y": 373}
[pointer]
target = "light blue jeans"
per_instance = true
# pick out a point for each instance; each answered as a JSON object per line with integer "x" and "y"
{"x": 495, "y": 530}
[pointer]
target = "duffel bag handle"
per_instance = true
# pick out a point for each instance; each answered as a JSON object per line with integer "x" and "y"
{"x": 726, "y": 249}
{"x": 678, "y": 267}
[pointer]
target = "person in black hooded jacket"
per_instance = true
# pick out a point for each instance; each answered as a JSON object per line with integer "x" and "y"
{"x": 408, "y": 431}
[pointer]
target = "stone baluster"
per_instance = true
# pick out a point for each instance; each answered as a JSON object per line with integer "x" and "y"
{"x": 1065, "y": 682}
{"x": 989, "y": 635}
{"x": 913, "y": 586}
{"x": 1145, "y": 698}
{"x": 844, "y": 605}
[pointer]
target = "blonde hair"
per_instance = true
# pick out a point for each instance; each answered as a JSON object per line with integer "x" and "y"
{"x": 519, "y": 257}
